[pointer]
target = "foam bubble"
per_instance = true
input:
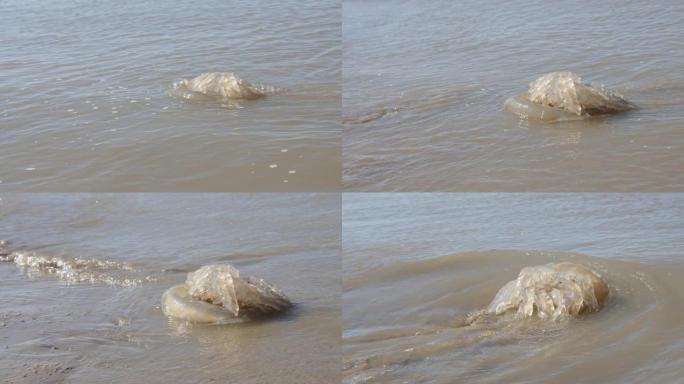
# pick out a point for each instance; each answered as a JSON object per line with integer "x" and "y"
{"x": 72, "y": 269}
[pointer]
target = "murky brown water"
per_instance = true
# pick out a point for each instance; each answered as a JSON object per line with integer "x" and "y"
{"x": 85, "y": 103}
{"x": 319, "y": 96}
{"x": 416, "y": 265}
{"x": 103, "y": 322}
{"x": 424, "y": 85}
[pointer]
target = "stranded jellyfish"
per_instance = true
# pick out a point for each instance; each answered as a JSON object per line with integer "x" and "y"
{"x": 219, "y": 294}
{"x": 562, "y": 96}
{"x": 552, "y": 291}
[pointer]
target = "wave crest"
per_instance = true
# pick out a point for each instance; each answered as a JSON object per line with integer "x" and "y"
{"x": 74, "y": 269}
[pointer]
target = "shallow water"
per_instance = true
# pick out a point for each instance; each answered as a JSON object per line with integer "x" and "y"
{"x": 417, "y": 265}
{"x": 85, "y": 102}
{"x": 424, "y": 85}
{"x": 55, "y": 328}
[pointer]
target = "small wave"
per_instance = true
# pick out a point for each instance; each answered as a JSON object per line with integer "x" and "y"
{"x": 419, "y": 101}
{"x": 220, "y": 86}
{"x": 4, "y": 248}
{"x": 370, "y": 116}
{"x": 73, "y": 269}
{"x": 218, "y": 294}
{"x": 526, "y": 109}
{"x": 556, "y": 304}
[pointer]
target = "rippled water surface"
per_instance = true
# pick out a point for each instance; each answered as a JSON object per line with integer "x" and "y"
{"x": 85, "y": 101}
{"x": 425, "y": 83}
{"x": 110, "y": 328}
{"x": 416, "y": 266}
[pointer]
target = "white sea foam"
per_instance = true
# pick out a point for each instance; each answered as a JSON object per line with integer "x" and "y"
{"x": 74, "y": 269}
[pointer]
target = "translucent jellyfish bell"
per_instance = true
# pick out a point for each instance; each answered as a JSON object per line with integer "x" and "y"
{"x": 563, "y": 96}
{"x": 219, "y": 294}
{"x": 220, "y": 86}
{"x": 552, "y": 291}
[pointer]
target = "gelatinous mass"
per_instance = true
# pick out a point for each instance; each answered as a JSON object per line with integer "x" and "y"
{"x": 560, "y": 96}
{"x": 219, "y": 294}
{"x": 552, "y": 291}
{"x": 220, "y": 86}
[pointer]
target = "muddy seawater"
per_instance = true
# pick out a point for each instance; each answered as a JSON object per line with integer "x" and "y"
{"x": 83, "y": 277}
{"x": 89, "y": 99}
{"x": 424, "y": 87}
{"x": 422, "y": 273}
